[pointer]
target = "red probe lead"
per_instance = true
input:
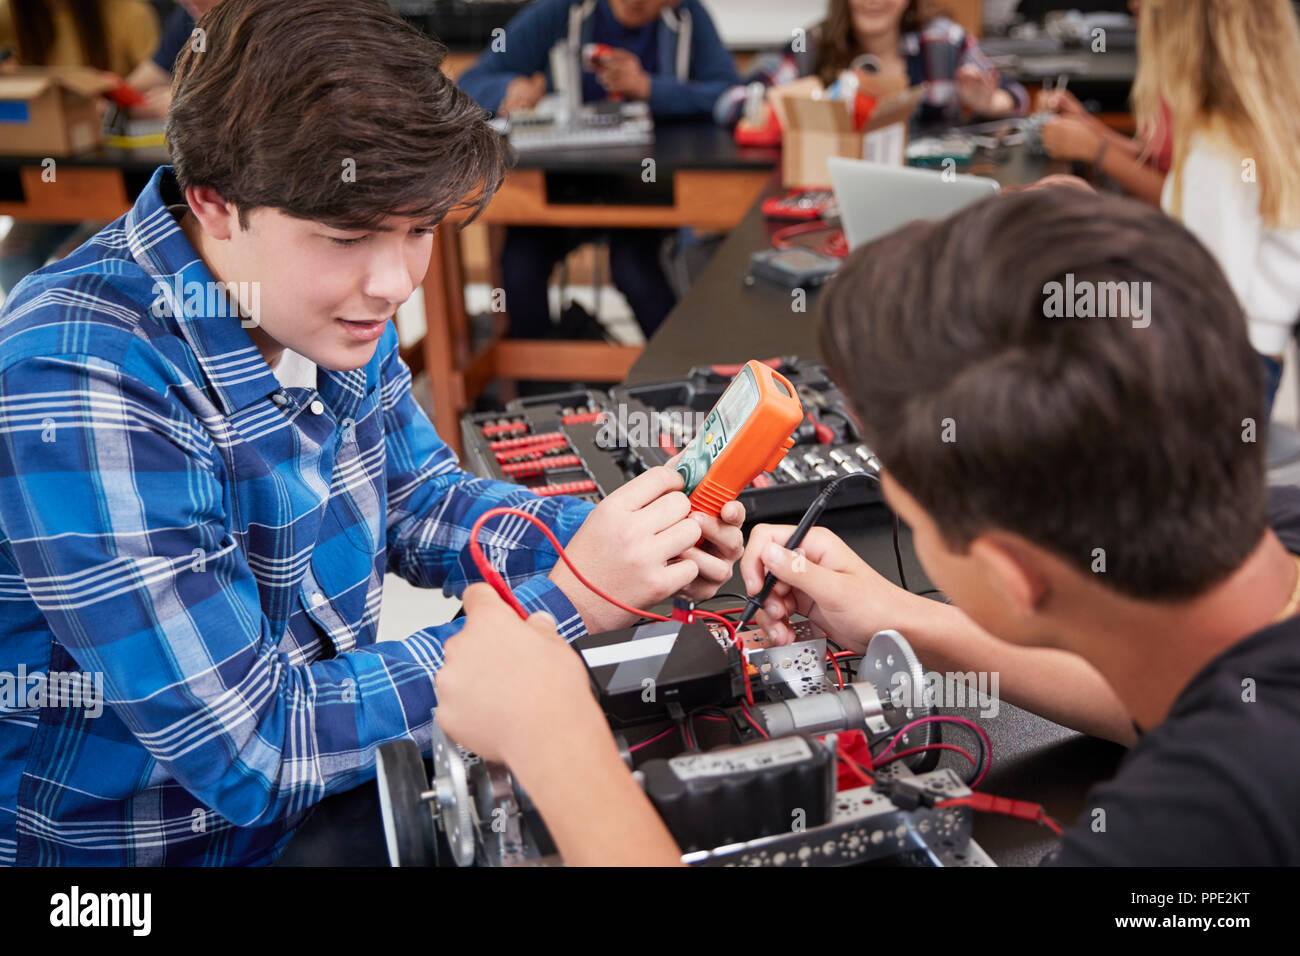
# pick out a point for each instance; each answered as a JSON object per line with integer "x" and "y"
{"x": 493, "y": 577}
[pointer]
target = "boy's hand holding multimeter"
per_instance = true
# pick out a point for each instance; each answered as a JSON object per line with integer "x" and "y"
{"x": 630, "y": 545}
{"x": 747, "y": 433}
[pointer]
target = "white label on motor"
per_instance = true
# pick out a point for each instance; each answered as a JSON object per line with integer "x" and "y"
{"x": 771, "y": 753}
{"x": 628, "y": 651}
{"x": 651, "y": 640}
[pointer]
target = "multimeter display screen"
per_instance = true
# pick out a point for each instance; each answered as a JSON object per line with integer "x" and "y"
{"x": 727, "y": 418}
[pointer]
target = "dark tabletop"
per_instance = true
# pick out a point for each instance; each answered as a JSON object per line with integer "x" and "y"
{"x": 722, "y": 319}
{"x": 145, "y": 158}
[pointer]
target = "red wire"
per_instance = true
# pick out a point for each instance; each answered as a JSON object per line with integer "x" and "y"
{"x": 493, "y": 577}
{"x": 781, "y": 238}
{"x": 988, "y": 744}
{"x": 647, "y": 743}
{"x": 749, "y": 717}
{"x": 984, "y": 802}
{"x": 836, "y": 664}
{"x": 1020, "y": 809}
{"x": 859, "y": 771}
{"x": 737, "y": 640}
{"x": 1051, "y": 824}
{"x": 917, "y": 750}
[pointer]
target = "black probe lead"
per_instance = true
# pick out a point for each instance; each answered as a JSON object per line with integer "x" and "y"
{"x": 800, "y": 532}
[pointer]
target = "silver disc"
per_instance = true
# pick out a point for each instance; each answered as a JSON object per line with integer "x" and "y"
{"x": 893, "y": 669}
{"x": 451, "y": 784}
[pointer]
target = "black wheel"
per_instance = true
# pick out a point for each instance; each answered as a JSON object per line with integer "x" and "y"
{"x": 409, "y": 828}
{"x": 928, "y": 760}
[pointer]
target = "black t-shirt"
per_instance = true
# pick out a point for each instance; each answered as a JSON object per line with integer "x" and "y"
{"x": 1217, "y": 783}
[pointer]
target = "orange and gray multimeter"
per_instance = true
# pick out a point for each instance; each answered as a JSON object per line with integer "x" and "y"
{"x": 748, "y": 432}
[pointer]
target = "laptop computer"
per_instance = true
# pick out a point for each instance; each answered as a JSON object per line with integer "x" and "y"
{"x": 875, "y": 199}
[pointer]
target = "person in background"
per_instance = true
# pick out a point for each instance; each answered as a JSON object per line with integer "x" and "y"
{"x": 112, "y": 35}
{"x": 1228, "y": 73}
{"x": 153, "y": 76}
{"x": 1138, "y": 164}
{"x": 906, "y": 38}
{"x": 666, "y": 53}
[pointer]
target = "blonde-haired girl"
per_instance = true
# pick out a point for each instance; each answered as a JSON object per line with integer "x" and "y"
{"x": 1228, "y": 74}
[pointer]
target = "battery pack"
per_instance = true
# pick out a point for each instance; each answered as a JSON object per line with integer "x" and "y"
{"x": 734, "y": 794}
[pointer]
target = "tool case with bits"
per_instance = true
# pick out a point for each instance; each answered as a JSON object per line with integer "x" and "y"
{"x": 587, "y": 443}
{"x": 547, "y": 443}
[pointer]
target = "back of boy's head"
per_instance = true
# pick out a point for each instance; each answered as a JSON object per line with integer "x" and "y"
{"x": 331, "y": 111}
{"x": 995, "y": 410}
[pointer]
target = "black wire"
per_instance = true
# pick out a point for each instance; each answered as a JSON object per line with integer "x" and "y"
{"x": 684, "y": 726}
{"x": 833, "y": 487}
{"x": 751, "y": 724}
{"x": 721, "y": 594}
{"x": 707, "y": 708}
{"x": 724, "y": 594}
{"x": 898, "y": 557}
{"x": 980, "y": 761}
{"x": 979, "y": 764}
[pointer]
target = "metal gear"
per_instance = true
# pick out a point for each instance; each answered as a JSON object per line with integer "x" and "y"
{"x": 889, "y": 655}
{"x": 451, "y": 785}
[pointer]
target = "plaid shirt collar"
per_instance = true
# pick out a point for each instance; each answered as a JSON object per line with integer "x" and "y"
{"x": 235, "y": 371}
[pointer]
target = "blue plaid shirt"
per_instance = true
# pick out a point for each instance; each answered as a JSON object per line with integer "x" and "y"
{"x": 210, "y": 548}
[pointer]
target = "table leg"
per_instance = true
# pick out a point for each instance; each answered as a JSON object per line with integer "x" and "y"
{"x": 446, "y": 390}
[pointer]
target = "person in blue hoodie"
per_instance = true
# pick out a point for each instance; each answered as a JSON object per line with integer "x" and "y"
{"x": 667, "y": 53}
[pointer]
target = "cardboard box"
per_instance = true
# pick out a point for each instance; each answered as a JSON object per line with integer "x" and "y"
{"x": 50, "y": 111}
{"x": 816, "y": 128}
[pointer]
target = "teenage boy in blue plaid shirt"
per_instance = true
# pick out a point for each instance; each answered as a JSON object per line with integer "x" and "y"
{"x": 210, "y": 457}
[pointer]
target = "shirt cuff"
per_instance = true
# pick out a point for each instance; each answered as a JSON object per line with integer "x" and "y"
{"x": 541, "y": 594}
{"x": 570, "y": 517}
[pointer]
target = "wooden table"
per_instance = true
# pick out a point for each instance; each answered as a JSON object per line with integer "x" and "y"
{"x": 98, "y": 186}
